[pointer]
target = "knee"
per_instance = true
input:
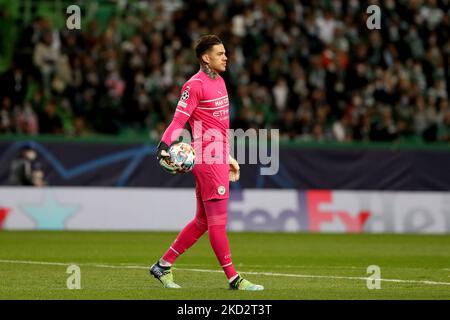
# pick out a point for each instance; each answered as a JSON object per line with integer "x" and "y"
{"x": 218, "y": 220}
{"x": 201, "y": 223}
{"x": 217, "y": 212}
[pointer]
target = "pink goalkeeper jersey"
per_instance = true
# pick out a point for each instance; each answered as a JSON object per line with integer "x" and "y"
{"x": 204, "y": 102}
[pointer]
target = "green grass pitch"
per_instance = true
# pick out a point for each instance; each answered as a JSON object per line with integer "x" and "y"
{"x": 298, "y": 266}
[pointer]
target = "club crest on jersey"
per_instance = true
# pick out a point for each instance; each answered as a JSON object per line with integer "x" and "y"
{"x": 221, "y": 190}
{"x": 185, "y": 95}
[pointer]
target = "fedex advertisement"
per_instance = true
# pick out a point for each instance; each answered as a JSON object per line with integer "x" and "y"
{"x": 340, "y": 211}
{"x": 271, "y": 210}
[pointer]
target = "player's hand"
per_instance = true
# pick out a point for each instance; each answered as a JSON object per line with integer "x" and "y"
{"x": 234, "y": 169}
{"x": 163, "y": 157}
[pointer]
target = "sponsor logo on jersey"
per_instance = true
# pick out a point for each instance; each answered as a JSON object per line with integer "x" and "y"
{"x": 220, "y": 113}
{"x": 221, "y": 102}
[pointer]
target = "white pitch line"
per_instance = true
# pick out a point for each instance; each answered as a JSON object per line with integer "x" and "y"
{"x": 37, "y": 262}
{"x": 323, "y": 277}
{"x": 70, "y": 263}
{"x": 243, "y": 265}
{"x": 220, "y": 271}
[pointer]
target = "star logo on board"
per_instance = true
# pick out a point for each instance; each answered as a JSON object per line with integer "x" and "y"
{"x": 50, "y": 214}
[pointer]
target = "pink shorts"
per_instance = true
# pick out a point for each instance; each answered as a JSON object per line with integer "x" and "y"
{"x": 212, "y": 181}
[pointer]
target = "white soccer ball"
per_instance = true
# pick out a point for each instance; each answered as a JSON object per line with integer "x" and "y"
{"x": 182, "y": 157}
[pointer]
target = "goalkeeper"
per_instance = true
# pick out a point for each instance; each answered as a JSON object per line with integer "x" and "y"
{"x": 204, "y": 103}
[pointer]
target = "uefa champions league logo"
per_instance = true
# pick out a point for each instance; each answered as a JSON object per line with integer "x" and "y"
{"x": 185, "y": 95}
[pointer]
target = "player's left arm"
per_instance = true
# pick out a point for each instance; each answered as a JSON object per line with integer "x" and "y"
{"x": 189, "y": 100}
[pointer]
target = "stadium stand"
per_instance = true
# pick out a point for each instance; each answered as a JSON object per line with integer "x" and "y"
{"x": 310, "y": 68}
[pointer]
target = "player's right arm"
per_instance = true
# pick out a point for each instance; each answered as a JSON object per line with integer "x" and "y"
{"x": 189, "y": 99}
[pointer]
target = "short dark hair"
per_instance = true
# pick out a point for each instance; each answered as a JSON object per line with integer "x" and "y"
{"x": 205, "y": 43}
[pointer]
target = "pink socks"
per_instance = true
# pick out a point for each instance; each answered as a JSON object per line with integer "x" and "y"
{"x": 219, "y": 243}
{"x": 187, "y": 237}
{"x": 215, "y": 213}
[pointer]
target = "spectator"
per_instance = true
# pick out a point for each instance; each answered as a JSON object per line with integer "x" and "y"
{"x": 25, "y": 170}
{"x": 281, "y": 94}
{"x": 425, "y": 120}
{"x": 342, "y": 130}
{"x": 6, "y": 121}
{"x": 45, "y": 58}
{"x": 26, "y": 120}
{"x": 289, "y": 126}
{"x": 384, "y": 129}
{"x": 49, "y": 121}
{"x": 431, "y": 14}
{"x": 14, "y": 85}
{"x": 327, "y": 25}
{"x": 444, "y": 128}
{"x": 38, "y": 175}
{"x": 283, "y": 56}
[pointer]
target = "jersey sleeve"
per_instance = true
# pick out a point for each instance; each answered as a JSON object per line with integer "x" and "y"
{"x": 189, "y": 99}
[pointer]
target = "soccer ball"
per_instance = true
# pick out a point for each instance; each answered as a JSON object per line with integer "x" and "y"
{"x": 182, "y": 157}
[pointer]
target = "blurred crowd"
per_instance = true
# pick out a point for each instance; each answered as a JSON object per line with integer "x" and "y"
{"x": 312, "y": 69}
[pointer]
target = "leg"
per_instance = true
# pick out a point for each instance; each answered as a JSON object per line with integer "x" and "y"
{"x": 161, "y": 270}
{"x": 188, "y": 236}
{"x": 217, "y": 214}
